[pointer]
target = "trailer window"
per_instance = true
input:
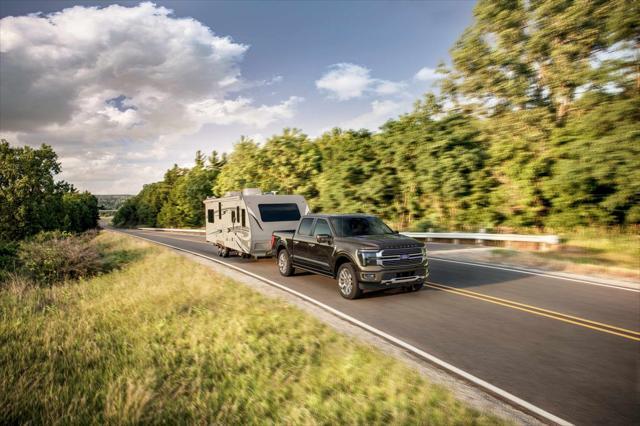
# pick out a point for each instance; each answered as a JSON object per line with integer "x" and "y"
{"x": 243, "y": 219}
{"x": 219, "y": 210}
{"x": 233, "y": 216}
{"x": 305, "y": 226}
{"x": 210, "y": 215}
{"x": 279, "y": 212}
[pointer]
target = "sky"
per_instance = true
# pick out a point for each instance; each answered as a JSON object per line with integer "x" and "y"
{"x": 124, "y": 90}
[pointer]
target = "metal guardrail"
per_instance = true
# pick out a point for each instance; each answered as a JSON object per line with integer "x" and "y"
{"x": 478, "y": 237}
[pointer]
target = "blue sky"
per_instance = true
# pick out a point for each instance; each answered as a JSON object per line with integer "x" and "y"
{"x": 310, "y": 65}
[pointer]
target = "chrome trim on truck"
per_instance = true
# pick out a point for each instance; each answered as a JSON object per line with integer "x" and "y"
{"x": 403, "y": 280}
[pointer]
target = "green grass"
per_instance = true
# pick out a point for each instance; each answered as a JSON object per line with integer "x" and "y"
{"x": 603, "y": 246}
{"x": 161, "y": 339}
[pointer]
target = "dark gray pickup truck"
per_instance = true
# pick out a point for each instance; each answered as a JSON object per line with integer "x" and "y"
{"x": 359, "y": 250}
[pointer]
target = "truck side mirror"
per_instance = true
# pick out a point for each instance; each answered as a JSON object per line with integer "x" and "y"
{"x": 323, "y": 238}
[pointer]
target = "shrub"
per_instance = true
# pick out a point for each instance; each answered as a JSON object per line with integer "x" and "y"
{"x": 53, "y": 257}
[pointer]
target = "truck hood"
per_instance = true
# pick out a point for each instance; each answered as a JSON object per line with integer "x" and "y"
{"x": 383, "y": 241}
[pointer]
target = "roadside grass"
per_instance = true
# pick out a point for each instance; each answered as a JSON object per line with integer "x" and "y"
{"x": 162, "y": 339}
{"x": 615, "y": 247}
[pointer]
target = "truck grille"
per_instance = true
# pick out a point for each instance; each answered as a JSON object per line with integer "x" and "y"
{"x": 401, "y": 256}
{"x": 401, "y": 251}
{"x": 402, "y": 262}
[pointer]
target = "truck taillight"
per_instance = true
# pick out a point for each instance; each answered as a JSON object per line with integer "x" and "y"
{"x": 273, "y": 241}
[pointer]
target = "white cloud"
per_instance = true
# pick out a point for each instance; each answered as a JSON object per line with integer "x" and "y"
{"x": 92, "y": 81}
{"x": 346, "y": 81}
{"x": 385, "y": 87}
{"x": 380, "y": 112}
{"x": 426, "y": 74}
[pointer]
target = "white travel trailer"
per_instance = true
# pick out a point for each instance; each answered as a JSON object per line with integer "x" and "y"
{"x": 243, "y": 222}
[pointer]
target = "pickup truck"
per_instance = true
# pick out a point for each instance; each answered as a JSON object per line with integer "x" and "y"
{"x": 359, "y": 250}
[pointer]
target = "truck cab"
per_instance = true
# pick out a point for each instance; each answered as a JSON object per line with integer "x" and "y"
{"x": 360, "y": 251}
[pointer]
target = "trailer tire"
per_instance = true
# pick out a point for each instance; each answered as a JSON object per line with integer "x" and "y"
{"x": 348, "y": 281}
{"x": 223, "y": 252}
{"x": 284, "y": 263}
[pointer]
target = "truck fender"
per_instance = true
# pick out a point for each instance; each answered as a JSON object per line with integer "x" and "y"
{"x": 340, "y": 258}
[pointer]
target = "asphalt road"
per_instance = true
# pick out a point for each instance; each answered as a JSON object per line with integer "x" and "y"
{"x": 570, "y": 348}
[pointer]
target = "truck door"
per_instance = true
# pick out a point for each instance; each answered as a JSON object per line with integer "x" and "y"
{"x": 320, "y": 252}
{"x": 301, "y": 240}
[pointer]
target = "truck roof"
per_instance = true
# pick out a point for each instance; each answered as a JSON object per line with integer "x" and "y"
{"x": 330, "y": 215}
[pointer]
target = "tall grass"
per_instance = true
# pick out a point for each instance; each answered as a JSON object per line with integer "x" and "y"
{"x": 165, "y": 340}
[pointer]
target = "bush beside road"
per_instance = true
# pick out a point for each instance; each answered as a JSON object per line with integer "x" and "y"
{"x": 160, "y": 338}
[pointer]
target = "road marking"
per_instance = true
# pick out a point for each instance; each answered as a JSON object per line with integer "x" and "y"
{"x": 605, "y": 328}
{"x": 598, "y": 326}
{"x": 504, "y": 395}
{"x": 534, "y": 272}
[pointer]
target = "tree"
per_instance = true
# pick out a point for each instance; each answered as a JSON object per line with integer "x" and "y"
{"x": 30, "y": 198}
{"x": 241, "y": 169}
{"x": 80, "y": 211}
{"x": 289, "y": 163}
{"x": 184, "y": 207}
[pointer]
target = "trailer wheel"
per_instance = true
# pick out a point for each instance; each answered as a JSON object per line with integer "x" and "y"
{"x": 284, "y": 263}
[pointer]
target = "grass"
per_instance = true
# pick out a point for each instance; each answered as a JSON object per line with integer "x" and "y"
{"x": 161, "y": 339}
{"x": 601, "y": 246}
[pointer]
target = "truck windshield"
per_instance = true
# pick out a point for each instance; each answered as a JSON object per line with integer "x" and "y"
{"x": 279, "y": 212}
{"x": 355, "y": 226}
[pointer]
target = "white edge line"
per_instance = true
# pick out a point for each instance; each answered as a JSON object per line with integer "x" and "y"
{"x": 514, "y": 400}
{"x": 533, "y": 272}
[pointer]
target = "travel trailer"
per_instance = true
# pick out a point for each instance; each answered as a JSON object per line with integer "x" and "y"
{"x": 242, "y": 222}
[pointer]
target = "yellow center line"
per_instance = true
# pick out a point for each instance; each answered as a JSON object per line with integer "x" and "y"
{"x": 537, "y": 311}
{"x": 637, "y": 333}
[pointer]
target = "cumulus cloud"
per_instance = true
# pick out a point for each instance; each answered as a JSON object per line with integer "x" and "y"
{"x": 96, "y": 80}
{"x": 346, "y": 81}
{"x": 426, "y": 74}
{"x": 378, "y": 114}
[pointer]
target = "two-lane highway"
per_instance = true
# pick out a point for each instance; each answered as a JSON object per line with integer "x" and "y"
{"x": 568, "y": 347}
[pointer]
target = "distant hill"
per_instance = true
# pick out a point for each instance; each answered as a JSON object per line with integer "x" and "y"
{"x": 112, "y": 201}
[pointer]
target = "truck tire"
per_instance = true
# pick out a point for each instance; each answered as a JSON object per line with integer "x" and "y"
{"x": 348, "y": 282}
{"x": 284, "y": 263}
{"x": 416, "y": 287}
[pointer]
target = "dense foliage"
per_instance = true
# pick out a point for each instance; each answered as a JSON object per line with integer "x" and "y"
{"x": 536, "y": 125}
{"x": 31, "y": 200}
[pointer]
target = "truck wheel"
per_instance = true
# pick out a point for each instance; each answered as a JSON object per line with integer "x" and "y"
{"x": 284, "y": 263}
{"x": 348, "y": 282}
{"x": 416, "y": 287}
{"x": 224, "y": 252}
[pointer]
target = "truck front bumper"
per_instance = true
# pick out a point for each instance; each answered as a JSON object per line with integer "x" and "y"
{"x": 394, "y": 278}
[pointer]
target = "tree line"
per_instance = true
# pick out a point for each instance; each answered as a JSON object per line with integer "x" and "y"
{"x": 535, "y": 125}
{"x": 31, "y": 200}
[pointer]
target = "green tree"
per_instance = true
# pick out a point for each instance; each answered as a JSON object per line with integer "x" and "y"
{"x": 30, "y": 198}
{"x": 184, "y": 207}
{"x": 289, "y": 163}
{"x": 80, "y": 211}
{"x": 241, "y": 169}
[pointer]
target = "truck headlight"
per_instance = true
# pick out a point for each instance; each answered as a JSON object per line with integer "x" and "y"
{"x": 368, "y": 257}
